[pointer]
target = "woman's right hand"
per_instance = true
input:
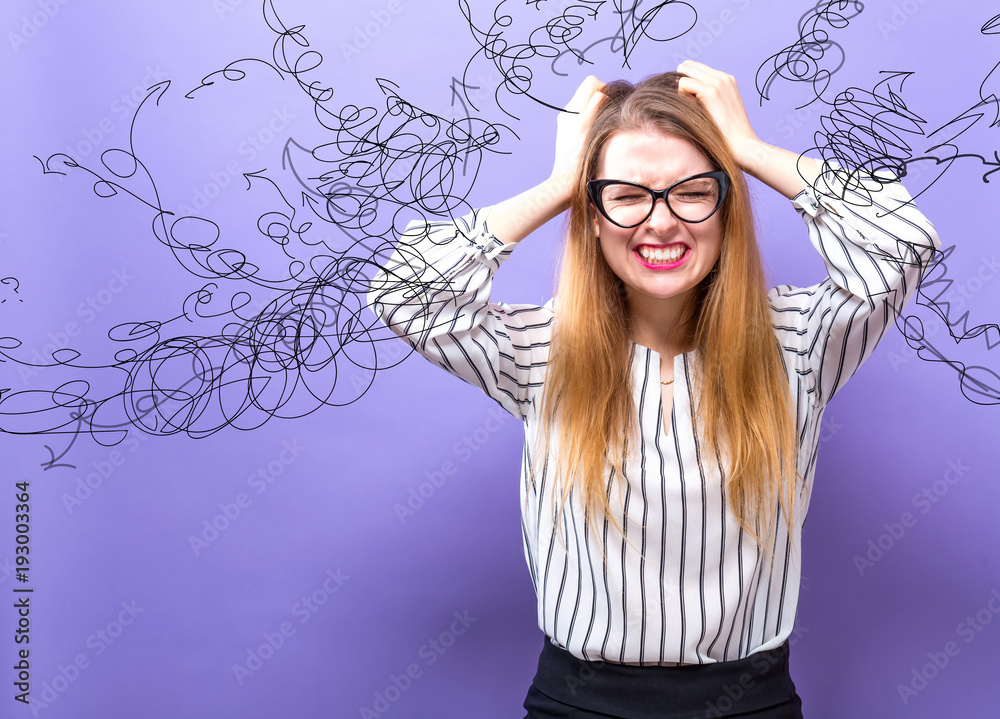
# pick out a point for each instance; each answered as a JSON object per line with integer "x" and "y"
{"x": 572, "y": 127}
{"x": 516, "y": 218}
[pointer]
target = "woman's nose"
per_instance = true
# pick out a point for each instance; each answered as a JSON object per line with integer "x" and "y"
{"x": 662, "y": 220}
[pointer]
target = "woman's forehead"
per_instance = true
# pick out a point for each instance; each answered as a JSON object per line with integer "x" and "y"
{"x": 651, "y": 157}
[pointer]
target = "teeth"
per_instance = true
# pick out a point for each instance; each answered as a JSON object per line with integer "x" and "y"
{"x": 671, "y": 254}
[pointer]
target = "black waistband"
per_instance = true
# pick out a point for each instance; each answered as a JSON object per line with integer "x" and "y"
{"x": 689, "y": 691}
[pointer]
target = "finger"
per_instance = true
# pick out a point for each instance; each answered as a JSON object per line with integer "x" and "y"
{"x": 594, "y": 103}
{"x": 698, "y": 65}
{"x": 701, "y": 71}
{"x": 706, "y": 78}
{"x": 583, "y": 93}
{"x": 691, "y": 86}
{"x": 588, "y": 113}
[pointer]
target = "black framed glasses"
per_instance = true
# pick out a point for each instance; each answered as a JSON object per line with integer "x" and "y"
{"x": 627, "y": 204}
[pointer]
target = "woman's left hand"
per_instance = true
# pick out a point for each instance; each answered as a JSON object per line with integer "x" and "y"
{"x": 719, "y": 94}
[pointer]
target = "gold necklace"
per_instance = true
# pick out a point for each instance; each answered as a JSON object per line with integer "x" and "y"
{"x": 667, "y": 382}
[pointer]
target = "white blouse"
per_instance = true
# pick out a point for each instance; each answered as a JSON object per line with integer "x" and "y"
{"x": 687, "y": 586}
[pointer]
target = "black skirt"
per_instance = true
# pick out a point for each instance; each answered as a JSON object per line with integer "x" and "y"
{"x": 757, "y": 686}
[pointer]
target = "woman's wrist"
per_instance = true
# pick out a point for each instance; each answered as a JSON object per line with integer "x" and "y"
{"x": 514, "y": 219}
{"x": 751, "y": 154}
{"x": 559, "y": 187}
{"x": 780, "y": 169}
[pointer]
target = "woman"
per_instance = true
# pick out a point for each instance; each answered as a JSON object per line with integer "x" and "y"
{"x": 671, "y": 404}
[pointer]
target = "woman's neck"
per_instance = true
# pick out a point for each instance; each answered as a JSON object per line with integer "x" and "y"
{"x": 662, "y": 324}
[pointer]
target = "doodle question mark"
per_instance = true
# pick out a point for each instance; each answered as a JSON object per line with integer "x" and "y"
{"x": 7, "y": 281}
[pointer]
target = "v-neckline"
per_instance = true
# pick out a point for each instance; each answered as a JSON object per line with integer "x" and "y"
{"x": 666, "y": 420}
{"x": 667, "y": 417}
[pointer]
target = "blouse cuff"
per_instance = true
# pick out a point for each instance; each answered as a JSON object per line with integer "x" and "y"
{"x": 473, "y": 228}
{"x": 834, "y": 183}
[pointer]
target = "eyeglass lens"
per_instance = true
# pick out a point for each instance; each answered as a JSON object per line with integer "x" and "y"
{"x": 693, "y": 200}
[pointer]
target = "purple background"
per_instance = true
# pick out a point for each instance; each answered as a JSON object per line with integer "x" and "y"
{"x": 894, "y": 431}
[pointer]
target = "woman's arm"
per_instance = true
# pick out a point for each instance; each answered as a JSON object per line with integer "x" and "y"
{"x": 514, "y": 219}
{"x": 876, "y": 246}
{"x": 434, "y": 290}
{"x": 873, "y": 240}
{"x": 780, "y": 169}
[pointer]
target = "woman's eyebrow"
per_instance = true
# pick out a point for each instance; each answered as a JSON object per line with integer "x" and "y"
{"x": 639, "y": 181}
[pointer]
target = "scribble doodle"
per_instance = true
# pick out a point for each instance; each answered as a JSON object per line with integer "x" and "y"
{"x": 287, "y": 355}
{"x": 992, "y": 26}
{"x": 869, "y": 131}
{"x": 803, "y": 60}
{"x": 873, "y": 131}
{"x": 518, "y": 46}
{"x": 14, "y": 284}
{"x": 403, "y": 157}
{"x": 978, "y": 384}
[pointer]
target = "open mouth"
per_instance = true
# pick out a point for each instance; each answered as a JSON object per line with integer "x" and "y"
{"x": 662, "y": 256}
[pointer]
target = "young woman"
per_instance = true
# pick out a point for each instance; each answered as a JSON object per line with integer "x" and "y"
{"x": 671, "y": 404}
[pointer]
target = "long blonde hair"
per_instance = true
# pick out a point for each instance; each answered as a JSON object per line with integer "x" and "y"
{"x": 740, "y": 384}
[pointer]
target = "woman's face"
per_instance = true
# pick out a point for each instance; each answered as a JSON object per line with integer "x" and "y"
{"x": 691, "y": 250}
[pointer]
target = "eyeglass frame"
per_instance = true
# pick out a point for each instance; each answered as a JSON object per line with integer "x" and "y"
{"x": 596, "y": 187}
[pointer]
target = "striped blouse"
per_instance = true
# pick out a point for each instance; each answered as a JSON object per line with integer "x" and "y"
{"x": 684, "y": 585}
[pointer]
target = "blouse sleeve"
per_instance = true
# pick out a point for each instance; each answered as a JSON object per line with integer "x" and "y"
{"x": 876, "y": 246}
{"x": 434, "y": 293}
